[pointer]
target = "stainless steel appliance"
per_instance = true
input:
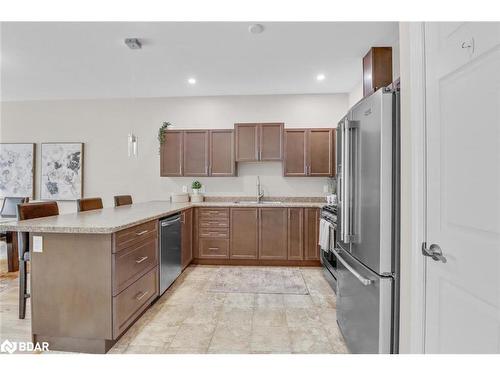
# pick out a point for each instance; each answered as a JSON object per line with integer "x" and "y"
{"x": 367, "y": 249}
{"x": 328, "y": 259}
{"x": 170, "y": 250}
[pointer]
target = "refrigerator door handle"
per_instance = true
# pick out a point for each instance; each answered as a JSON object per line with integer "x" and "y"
{"x": 362, "y": 279}
{"x": 345, "y": 183}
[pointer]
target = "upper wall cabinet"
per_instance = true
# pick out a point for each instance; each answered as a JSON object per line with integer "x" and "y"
{"x": 309, "y": 152}
{"x": 377, "y": 69}
{"x": 259, "y": 142}
{"x": 171, "y": 154}
{"x": 197, "y": 153}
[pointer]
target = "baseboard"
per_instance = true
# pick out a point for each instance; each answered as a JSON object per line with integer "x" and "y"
{"x": 257, "y": 262}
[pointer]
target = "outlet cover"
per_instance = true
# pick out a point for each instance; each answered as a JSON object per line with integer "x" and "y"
{"x": 325, "y": 188}
{"x": 184, "y": 189}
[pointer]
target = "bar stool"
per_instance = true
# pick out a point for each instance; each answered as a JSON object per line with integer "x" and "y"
{"x": 123, "y": 200}
{"x": 26, "y": 211}
{"x": 88, "y": 204}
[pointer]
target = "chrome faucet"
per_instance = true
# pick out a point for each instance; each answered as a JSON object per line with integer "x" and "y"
{"x": 260, "y": 192}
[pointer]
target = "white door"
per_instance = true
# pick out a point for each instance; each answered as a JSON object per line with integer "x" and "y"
{"x": 463, "y": 187}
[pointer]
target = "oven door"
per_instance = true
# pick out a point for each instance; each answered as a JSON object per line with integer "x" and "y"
{"x": 329, "y": 260}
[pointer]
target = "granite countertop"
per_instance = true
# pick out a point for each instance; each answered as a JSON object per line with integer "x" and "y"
{"x": 113, "y": 219}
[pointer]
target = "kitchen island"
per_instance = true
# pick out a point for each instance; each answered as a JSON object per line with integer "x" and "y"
{"x": 94, "y": 273}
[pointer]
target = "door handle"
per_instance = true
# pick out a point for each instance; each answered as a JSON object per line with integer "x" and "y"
{"x": 140, "y": 260}
{"x": 141, "y": 233}
{"x": 434, "y": 252}
{"x": 141, "y": 295}
{"x": 362, "y": 279}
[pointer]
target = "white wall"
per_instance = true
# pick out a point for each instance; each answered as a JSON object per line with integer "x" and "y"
{"x": 103, "y": 125}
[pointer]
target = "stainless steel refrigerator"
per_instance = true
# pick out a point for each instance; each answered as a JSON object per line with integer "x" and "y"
{"x": 367, "y": 248}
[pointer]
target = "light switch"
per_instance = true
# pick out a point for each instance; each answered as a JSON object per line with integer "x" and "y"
{"x": 325, "y": 189}
{"x": 37, "y": 244}
{"x": 184, "y": 189}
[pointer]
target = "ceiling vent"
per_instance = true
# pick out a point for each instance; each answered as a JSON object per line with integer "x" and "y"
{"x": 133, "y": 43}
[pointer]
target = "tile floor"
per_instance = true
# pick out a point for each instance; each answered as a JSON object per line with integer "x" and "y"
{"x": 192, "y": 318}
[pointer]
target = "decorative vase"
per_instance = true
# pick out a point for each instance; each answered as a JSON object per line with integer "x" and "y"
{"x": 196, "y": 191}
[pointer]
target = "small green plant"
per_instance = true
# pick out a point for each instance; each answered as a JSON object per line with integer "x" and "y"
{"x": 196, "y": 185}
{"x": 162, "y": 132}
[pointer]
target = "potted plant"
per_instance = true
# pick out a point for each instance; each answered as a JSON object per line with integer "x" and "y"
{"x": 196, "y": 186}
{"x": 162, "y": 132}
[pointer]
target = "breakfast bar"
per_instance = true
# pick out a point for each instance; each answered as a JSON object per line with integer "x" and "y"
{"x": 94, "y": 273}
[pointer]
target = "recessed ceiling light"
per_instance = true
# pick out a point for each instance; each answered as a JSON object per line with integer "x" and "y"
{"x": 256, "y": 28}
{"x": 191, "y": 81}
{"x": 320, "y": 77}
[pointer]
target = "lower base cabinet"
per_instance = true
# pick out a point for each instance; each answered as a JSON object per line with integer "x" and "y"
{"x": 187, "y": 237}
{"x": 273, "y": 233}
{"x": 244, "y": 233}
{"x": 257, "y": 233}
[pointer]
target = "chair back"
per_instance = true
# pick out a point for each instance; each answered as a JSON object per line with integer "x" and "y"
{"x": 9, "y": 206}
{"x": 123, "y": 200}
{"x": 35, "y": 210}
{"x": 88, "y": 204}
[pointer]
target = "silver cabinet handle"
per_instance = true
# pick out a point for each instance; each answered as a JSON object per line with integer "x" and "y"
{"x": 363, "y": 280}
{"x": 213, "y": 248}
{"x": 140, "y": 260}
{"x": 141, "y": 295}
{"x": 142, "y": 232}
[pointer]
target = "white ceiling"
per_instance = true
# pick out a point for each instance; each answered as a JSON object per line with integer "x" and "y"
{"x": 57, "y": 60}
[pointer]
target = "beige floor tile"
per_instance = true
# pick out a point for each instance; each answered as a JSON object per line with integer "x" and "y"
{"x": 310, "y": 340}
{"x": 298, "y": 301}
{"x": 185, "y": 351}
{"x": 193, "y": 336}
{"x": 240, "y": 300}
{"x": 202, "y": 314}
{"x": 297, "y": 317}
{"x": 269, "y": 318}
{"x": 236, "y": 315}
{"x": 211, "y": 299}
{"x": 269, "y": 301}
{"x": 231, "y": 339}
{"x": 328, "y": 316}
{"x": 172, "y": 315}
{"x": 270, "y": 340}
{"x": 155, "y": 334}
{"x": 145, "y": 349}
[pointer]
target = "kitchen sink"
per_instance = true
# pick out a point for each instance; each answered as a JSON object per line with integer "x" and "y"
{"x": 261, "y": 202}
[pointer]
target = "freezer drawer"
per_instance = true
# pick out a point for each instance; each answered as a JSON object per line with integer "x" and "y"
{"x": 364, "y": 306}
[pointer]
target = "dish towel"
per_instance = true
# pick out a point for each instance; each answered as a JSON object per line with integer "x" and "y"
{"x": 324, "y": 234}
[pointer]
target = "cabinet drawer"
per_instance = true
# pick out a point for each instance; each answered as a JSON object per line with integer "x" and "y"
{"x": 214, "y": 232}
{"x": 130, "y": 303}
{"x": 131, "y": 263}
{"x": 214, "y": 248}
{"x": 136, "y": 234}
{"x": 214, "y": 224}
{"x": 214, "y": 213}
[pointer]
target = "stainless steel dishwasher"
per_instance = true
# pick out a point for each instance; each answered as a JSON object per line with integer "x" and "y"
{"x": 170, "y": 250}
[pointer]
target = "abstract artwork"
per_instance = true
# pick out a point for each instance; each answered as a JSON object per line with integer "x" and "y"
{"x": 62, "y": 171}
{"x": 16, "y": 169}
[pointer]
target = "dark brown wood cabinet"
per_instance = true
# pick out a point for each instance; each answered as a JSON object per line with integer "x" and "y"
{"x": 213, "y": 233}
{"x": 198, "y": 153}
{"x": 221, "y": 153}
{"x": 311, "y": 233}
{"x": 171, "y": 152}
{"x": 295, "y": 240}
{"x": 244, "y": 233}
{"x": 309, "y": 152}
{"x": 377, "y": 69}
{"x": 187, "y": 237}
{"x": 273, "y": 229}
{"x": 259, "y": 142}
{"x": 195, "y": 153}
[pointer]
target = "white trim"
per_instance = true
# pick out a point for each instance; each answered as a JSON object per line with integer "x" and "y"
{"x": 419, "y": 171}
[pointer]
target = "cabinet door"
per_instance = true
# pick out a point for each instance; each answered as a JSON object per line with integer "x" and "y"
{"x": 295, "y": 153}
{"x": 320, "y": 152}
{"x": 195, "y": 159}
{"x": 246, "y": 139}
{"x": 311, "y": 233}
{"x": 377, "y": 69}
{"x": 171, "y": 154}
{"x": 295, "y": 233}
{"x": 222, "y": 153}
{"x": 244, "y": 233}
{"x": 273, "y": 233}
{"x": 187, "y": 237}
{"x": 271, "y": 141}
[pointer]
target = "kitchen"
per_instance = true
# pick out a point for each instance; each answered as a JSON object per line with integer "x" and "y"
{"x": 200, "y": 216}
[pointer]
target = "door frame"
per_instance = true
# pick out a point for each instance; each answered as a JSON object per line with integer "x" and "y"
{"x": 413, "y": 187}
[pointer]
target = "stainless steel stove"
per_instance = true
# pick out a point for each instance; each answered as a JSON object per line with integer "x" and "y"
{"x": 328, "y": 259}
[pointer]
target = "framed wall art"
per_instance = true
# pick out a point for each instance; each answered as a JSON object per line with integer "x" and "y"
{"x": 61, "y": 171}
{"x": 17, "y": 165}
